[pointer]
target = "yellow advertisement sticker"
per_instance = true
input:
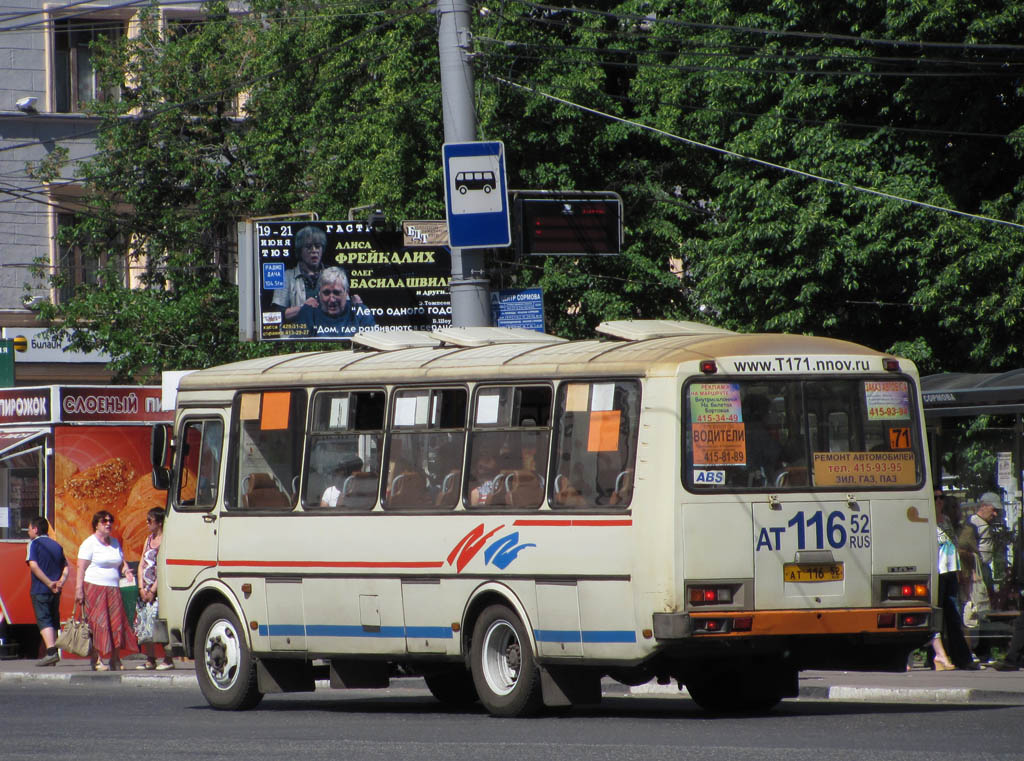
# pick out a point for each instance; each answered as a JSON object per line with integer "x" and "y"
{"x": 719, "y": 444}
{"x": 865, "y": 469}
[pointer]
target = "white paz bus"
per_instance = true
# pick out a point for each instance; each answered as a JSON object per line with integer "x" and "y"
{"x": 514, "y": 516}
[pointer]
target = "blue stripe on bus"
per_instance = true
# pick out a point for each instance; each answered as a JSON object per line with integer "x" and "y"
{"x": 592, "y": 636}
{"x": 327, "y": 630}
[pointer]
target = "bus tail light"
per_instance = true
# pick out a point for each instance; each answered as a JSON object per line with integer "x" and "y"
{"x": 708, "y": 366}
{"x": 744, "y": 624}
{"x": 907, "y": 590}
{"x": 710, "y": 595}
{"x": 890, "y": 364}
{"x": 913, "y": 620}
{"x": 721, "y": 625}
{"x": 886, "y": 620}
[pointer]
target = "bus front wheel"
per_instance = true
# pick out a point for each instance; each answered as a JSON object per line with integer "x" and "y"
{"x": 224, "y": 664}
{"x": 504, "y": 670}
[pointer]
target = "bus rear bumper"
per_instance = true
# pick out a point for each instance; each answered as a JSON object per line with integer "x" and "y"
{"x": 873, "y": 639}
{"x": 775, "y": 623}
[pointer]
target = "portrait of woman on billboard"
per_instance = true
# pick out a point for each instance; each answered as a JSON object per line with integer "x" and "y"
{"x": 300, "y": 281}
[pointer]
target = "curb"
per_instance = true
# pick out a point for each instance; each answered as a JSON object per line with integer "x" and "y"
{"x": 839, "y": 693}
{"x": 106, "y": 679}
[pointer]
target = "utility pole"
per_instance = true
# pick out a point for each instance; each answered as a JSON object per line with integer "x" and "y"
{"x": 471, "y": 299}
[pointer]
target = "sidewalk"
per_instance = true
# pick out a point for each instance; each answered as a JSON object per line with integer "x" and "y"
{"x": 77, "y": 671}
{"x": 916, "y": 686}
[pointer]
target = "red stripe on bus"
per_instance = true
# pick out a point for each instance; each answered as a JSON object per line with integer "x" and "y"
{"x": 334, "y": 564}
{"x": 312, "y": 563}
{"x": 594, "y": 522}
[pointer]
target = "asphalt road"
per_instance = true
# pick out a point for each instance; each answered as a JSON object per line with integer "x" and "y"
{"x": 42, "y": 721}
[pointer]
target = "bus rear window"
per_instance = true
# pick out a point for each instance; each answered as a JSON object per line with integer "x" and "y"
{"x": 801, "y": 434}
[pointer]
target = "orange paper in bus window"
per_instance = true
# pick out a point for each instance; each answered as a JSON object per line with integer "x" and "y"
{"x": 274, "y": 416}
{"x": 249, "y": 407}
{"x": 899, "y": 438}
{"x": 604, "y": 431}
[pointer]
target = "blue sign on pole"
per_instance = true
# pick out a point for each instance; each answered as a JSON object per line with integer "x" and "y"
{"x": 476, "y": 194}
{"x": 518, "y": 308}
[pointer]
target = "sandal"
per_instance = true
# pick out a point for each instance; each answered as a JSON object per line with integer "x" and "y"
{"x": 147, "y": 666}
{"x": 100, "y": 667}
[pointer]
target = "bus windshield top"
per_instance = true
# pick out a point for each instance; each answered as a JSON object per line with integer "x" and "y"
{"x": 756, "y": 434}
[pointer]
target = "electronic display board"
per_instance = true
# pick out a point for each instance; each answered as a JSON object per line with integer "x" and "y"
{"x": 569, "y": 226}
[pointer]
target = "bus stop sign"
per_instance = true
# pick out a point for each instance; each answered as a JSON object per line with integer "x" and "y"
{"x": 476, "y": 194}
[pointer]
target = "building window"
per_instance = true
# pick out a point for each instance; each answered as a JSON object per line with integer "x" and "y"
{"x": 75, "y": 79}
{"x": 77, "y": 268}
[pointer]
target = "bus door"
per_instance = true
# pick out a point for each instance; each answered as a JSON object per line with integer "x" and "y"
{"x": 810, "y": 554}
{"x": 191, "y": 527}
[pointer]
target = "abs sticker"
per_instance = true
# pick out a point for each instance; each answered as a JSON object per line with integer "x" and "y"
{"x": 709, "y": 477}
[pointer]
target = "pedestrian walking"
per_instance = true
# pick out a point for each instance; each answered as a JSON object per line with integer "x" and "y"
{"x": 49, "y": 569}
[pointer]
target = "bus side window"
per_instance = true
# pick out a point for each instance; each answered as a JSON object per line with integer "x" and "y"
{"x": 199, "y": 464}
{"x": 425, "y": 445}
{"x": 267, "y": 438}
{"x": 595, "y": 434}
{"x": 508, "y": 447}
{"x": 346, "y": 442}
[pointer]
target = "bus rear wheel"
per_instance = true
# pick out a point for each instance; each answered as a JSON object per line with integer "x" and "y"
{"x": 735, "y": 693}
{"x": 504, "y": 669}
{"x": 224, "y": 664}
{"x": 453, "y": 687}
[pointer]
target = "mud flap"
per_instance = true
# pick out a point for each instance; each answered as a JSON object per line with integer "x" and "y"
{"x": 284, "y": 675}
{"x": 569, "y": 686}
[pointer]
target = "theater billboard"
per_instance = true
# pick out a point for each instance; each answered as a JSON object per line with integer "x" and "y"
{"x": 326, "y": 281}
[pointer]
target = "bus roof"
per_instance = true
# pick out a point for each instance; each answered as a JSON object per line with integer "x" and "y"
{"x": 658, "y": 349}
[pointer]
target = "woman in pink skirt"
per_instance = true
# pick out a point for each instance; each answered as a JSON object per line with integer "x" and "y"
{"x": 100, "y": 565}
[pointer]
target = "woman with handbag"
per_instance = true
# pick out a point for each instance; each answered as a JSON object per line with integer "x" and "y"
{"x": 100, "y": 565}
{"x": 146, "y": 609}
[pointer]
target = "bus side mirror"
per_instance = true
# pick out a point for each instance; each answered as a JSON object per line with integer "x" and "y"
{"x": 159, "y": 455}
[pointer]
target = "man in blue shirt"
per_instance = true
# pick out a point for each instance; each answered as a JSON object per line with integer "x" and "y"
{"x": 336, "y": 315}
{"x": 49, "y": 570}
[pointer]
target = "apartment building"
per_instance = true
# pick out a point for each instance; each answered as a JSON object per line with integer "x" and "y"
{"x": 47, "y": 78}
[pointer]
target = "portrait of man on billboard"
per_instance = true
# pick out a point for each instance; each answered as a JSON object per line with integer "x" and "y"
{"x": 336, "y": 314}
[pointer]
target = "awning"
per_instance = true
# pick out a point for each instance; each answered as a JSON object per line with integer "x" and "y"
{"x": 17, "y": 437}
{"x": 956, "y": 394}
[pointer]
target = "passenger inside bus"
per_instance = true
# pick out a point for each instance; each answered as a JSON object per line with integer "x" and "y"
{"x": 484, "y": 485}
{"x": 763, "y": 450}
{"x": 333, "y": 494}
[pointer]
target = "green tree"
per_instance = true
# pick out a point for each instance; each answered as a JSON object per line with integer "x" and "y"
{"x": 342, "y": 108}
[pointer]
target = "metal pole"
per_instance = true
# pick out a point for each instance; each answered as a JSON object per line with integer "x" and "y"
{"x": 471, "y": 300}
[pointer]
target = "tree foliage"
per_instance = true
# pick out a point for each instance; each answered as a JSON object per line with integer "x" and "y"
{"x": 737, "y": 134}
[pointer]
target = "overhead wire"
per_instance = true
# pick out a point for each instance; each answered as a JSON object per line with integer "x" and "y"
{"x": 754, "y": 160}
{"x": 828, "y": 36}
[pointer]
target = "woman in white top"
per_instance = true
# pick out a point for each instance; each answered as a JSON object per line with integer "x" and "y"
{"x": 97, "y": 588}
